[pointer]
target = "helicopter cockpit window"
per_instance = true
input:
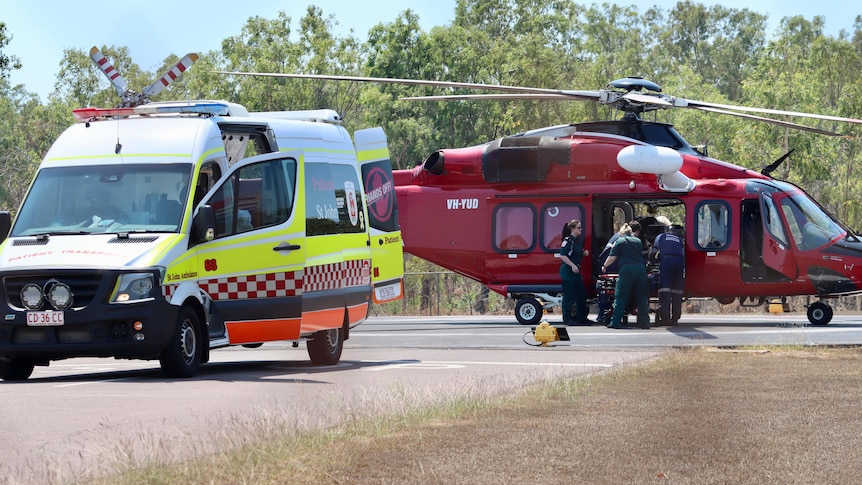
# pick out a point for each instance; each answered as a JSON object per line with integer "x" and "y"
{"x": 513, "y": 228}
{"x": 713, "y": 225}
{"x": 554, "y": 216}
{"x": 810, "y": 227}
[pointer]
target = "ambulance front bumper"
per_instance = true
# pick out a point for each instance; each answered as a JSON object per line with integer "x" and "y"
{"x": 91, "y": 327}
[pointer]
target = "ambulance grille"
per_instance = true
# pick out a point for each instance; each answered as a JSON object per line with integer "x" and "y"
{"x": 83, "y": 286}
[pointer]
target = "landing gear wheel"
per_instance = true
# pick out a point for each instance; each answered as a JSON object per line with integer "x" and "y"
{"x": 325, "y": 346}
{"x": 16, "y": 369}
{"x": 183, "y": 356}
{"x": 819, "y": 313}
{"x": 528, "y": 311}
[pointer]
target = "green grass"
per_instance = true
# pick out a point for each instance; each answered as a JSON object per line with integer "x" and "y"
{"x": 764, "y": 414}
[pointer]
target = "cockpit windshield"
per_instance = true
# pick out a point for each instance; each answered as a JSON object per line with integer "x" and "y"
{"x": 810, "y": 226}
{"x": 105, "y": 198}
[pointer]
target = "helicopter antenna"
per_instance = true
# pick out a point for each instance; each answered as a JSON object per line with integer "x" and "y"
{"x": 130, "y": 98}
{"x": 772, "y": 166}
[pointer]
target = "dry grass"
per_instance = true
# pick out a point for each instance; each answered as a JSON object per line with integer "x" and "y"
{"x": 697, "y": 416}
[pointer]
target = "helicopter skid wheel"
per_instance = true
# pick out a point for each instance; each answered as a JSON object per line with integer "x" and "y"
{"x": 819, "y": 313}
{"x": 528, "y": 311}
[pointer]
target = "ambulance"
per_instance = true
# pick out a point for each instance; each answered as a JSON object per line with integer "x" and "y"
{"x": 165, "y": 230}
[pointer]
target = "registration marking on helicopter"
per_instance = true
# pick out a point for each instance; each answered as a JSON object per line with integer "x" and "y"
{"x": 455, "y": 204}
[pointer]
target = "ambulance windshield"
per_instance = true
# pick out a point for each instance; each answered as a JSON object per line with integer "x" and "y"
{"x": 105, "y": 198}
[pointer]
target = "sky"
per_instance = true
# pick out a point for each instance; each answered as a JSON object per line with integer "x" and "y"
{"x": 154, "y": 29}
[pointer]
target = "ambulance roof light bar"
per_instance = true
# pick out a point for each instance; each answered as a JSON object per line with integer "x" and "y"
{"x": 206, "y": 109}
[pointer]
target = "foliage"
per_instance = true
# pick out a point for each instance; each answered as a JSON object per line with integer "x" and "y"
{"x": 714, "y": 53}
{"x": 7, "y": 62}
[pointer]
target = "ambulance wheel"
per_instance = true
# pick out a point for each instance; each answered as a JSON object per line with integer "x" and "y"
{"x": 528, "y": 311}
{"x": 819, "y": 313}
{"x": 183, "y": 355}
{"x": 325, "y": 346}
{"x": 16, "y": 369}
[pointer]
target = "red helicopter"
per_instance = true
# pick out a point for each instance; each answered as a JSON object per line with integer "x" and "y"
{"x": 494, "y": 212}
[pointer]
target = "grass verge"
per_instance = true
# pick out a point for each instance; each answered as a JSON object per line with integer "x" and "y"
{"x": 695, "y": 416}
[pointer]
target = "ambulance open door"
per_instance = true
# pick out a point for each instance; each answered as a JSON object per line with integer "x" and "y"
{"x": 387, "y": 271}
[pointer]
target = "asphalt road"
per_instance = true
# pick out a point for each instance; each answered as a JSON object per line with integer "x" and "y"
{"x": 82, "y": 415}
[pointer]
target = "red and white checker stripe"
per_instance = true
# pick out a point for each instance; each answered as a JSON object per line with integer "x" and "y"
{"x": 269, "y": 285}
{"x": 294, "y": 283}
{"x": 337, "y": 275}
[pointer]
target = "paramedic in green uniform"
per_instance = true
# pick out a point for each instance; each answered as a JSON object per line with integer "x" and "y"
{"x": 632, "y": 280}
{"x": 574, "y": 292}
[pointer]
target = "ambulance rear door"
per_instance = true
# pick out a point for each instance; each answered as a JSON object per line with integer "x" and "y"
{"x": 253, "y": 269}
{"x": 387, "y": 260}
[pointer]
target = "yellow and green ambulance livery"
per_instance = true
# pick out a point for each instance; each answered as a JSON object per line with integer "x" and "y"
{"x": 169, "y": 229}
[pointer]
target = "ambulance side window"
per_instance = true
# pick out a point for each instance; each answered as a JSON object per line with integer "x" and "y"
{"x": 333, "y": 201}
{"x": 255, "y": 196}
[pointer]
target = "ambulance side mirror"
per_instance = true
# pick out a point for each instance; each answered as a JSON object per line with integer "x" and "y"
{"x": 203, "y": 225}
{"x": 5, "y": 225}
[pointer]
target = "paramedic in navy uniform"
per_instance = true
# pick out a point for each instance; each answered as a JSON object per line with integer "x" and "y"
{"x": 574, "y": 292}
{"x": 668, "y": 248}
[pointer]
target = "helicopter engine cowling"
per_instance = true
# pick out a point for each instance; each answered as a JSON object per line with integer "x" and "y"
{"x": 661, "y": 161}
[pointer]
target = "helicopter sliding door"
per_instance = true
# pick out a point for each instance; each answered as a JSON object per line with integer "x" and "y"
{"x": 777, "y": 252}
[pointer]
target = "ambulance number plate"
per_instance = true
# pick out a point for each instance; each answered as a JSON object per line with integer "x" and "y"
{"x": 46, "y": 319}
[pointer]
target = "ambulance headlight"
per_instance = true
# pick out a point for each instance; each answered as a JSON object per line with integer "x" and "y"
{"x": 59, "y": 295}
{"x": 31, "y": 296}
{"x": 133, "y": 287}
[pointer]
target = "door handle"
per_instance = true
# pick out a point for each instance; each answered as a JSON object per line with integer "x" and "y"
{"x": 286, "y": 247}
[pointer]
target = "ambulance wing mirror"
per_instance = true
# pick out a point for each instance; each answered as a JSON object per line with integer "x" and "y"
{"x": 203, "y": 225}
{"x": 5, "y": 225}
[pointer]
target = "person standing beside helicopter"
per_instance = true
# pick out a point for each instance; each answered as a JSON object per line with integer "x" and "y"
{"x": 572, "y": 253}
{"x": 669, "y": 250}
{"x": 632, "y": 279}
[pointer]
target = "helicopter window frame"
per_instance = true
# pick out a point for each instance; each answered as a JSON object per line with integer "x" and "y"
{"x": 551, "y": 236}
{"x": 720, "y": 217}
{"x": 772, "y": 220}
{"x": 497, "y": 238}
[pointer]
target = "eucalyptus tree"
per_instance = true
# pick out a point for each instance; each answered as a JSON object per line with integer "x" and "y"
{"x": 8, "y": 62}
{"x": 719, "y": 43}
{"x": 273, "y": 46}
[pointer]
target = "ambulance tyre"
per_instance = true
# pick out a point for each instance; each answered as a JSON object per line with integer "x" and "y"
{"x": 182, "y": 357}
{"x": 16, "y": 369}
{"x": 324, "y": 347}
{"x": 528, "y": 311}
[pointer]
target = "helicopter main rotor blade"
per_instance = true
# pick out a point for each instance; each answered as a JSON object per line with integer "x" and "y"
{"x": 785, "y": 124}
{"x": 169, "y": 77}
{"x": 695, "y": 104}
{"x": 485, "y": 97}
{"x": 659, "y": 102}
{"x": 423, "y": 82}
{"x": 108, "y": 70}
